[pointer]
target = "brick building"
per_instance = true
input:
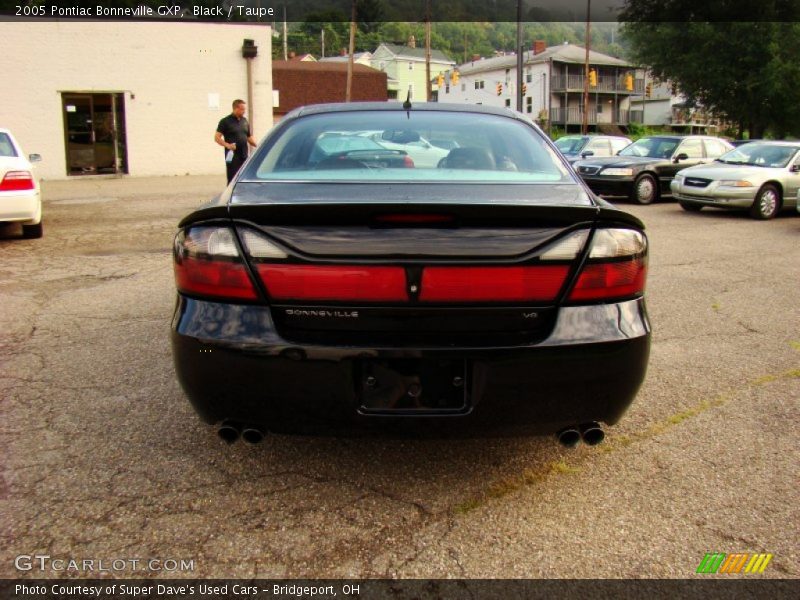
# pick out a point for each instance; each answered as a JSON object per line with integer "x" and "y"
{"x": 302, "y": 83}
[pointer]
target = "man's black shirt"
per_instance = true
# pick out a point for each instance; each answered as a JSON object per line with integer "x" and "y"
{"x": 235, "y": 131}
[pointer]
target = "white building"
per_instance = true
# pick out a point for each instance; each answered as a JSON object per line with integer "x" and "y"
{"x": 553, "y": 81}
{"x": 662, "y": 106}
{"x": 138, "y": 98}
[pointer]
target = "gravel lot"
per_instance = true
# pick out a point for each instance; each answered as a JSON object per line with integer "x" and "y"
{"x": 103, "y": 458}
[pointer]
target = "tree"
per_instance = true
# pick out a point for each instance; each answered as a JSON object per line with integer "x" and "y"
{"x": 745, "y": 71}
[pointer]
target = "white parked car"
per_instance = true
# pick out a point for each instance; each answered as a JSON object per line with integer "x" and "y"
{"x": 20, "y": 198}
{"x": 424, "y": 154}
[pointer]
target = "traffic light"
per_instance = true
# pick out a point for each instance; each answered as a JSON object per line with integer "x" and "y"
{"x": 440, "y": 80}
{"x": 593, "y": 78}
{"x": 454, "y": 77}
{"x": 629, "y": 82}
{"x": 524, "y": 88}
{"x": 499, "y": 89}
{"x": 648, "y": 90}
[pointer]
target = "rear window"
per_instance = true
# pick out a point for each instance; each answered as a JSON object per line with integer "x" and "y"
{"x": 407, "y": 146}
{"x": 6, "y": 147}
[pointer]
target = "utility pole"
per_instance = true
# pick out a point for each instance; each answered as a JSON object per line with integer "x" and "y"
{"x": 347, "y": 94}
{"x": 520, "y": 56}
{"x": 285, "y": 43}
{"x": 428, "y": 91}
{"x": 585, "y": 125}
{"x": 322, "y": 41}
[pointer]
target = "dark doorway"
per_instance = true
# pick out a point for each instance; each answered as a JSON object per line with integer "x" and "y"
{"x": 94, "y": 133}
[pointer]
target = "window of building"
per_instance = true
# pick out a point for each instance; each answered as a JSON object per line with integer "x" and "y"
{"x": 508, "y": 102}
{"x": 528, "y": 104}
{"x": 447, "y": 89}
{"x": 410, "y": 66}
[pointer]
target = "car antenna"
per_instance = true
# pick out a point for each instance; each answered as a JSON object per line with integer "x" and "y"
{"x": 407, "y": 103}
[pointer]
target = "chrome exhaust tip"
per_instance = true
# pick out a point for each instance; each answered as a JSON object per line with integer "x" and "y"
{"x": 569, "y": 437}
{"x": 592, "y": 433}
{"x": 228, "y": 432}
{"x": 252, "y": 435}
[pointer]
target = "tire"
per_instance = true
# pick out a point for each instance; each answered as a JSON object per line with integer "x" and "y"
{"x": 691, "y": 206}
{"x": 645, "y": 189}
{"x": 32, "y": 231}
{"x": 767, "y": 203}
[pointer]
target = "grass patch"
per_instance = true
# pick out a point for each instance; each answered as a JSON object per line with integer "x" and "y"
{"x": 513, "y": 483}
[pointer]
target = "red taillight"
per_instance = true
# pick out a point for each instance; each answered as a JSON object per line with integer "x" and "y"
{"x": 207, "y": 263}
{"x": 333, "y": 282}
{"x": 498, "y": 284}
{"x": 214, "y": 278}
{"x": 408, "y": 162}
{"x": 604, "y": 281}
{"x": 16, "y": 181}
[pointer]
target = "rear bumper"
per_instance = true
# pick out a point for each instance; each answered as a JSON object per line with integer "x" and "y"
{"x": 233, "y": 365}
{"x": 21, "y": 206}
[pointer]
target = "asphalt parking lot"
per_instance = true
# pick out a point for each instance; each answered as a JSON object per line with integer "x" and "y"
{"x": 103, "y": 458}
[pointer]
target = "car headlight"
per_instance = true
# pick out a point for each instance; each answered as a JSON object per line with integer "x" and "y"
{"x": 617, "y": 171}
{"x": 735, "y": 183}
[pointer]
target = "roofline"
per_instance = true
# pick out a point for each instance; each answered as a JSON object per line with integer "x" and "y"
{"x": 398, "y": 107}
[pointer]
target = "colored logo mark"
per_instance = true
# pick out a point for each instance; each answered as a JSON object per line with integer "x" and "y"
{"x": 719, "y": 562}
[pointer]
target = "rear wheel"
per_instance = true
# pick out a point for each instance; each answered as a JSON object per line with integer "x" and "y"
{"x": 691, "y": 206}
{"x": 32, "y": 231}
{"x": 767, "y": 203}
{"x": 645, "y": 189}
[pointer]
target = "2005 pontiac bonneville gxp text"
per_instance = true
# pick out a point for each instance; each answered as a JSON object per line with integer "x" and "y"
{"x": 343, "y": 286}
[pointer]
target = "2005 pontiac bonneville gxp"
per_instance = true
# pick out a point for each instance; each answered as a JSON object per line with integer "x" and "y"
{"x": 339, "y": 285}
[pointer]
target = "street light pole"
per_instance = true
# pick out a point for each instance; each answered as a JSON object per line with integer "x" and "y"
{"x": 520, "y": 56}
{"x": 588, "y": 42}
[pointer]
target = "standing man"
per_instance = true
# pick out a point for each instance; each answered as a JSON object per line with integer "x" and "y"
{"x": 233, "y": 133}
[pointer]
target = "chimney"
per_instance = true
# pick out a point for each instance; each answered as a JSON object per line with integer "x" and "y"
{"x": 539, "y": 46}
{"x": 412, "y": 41}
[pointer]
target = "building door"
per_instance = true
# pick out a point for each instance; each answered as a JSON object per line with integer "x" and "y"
{"x": 94, "y": 133}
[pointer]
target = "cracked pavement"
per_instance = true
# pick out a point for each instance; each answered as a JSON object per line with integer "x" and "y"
{"x": 103, "y": 458}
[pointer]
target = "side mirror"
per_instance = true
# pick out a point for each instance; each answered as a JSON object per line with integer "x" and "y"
{"x": 795, "y": 168}
{"x": 35, "y": 158}
{"x": 680, "y": 157}
{"x": 587, "y": 153}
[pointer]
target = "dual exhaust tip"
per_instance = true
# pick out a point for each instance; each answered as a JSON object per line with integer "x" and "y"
{"x": 230, "y": 432}
{"x": 591, "y": 433}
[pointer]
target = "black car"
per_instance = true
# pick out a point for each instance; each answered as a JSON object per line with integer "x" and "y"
{"x": 492, "y": 289}
{"x": 643, "y": 171}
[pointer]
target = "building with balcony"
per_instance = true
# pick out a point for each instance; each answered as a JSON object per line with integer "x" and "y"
{"x": 553, "y": 86}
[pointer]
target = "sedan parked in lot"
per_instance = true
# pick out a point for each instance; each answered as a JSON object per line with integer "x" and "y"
{"x": 761, "y": 177}
{"x": 576, "y": 147}
{"x": 643, "y": 171}
{"x": 313, "y": 294}
{"x": 20, "y": 198}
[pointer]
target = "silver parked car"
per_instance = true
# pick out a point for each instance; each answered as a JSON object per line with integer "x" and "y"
{"x": 576, "y": 147}
{"x": 762, "y": 177}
